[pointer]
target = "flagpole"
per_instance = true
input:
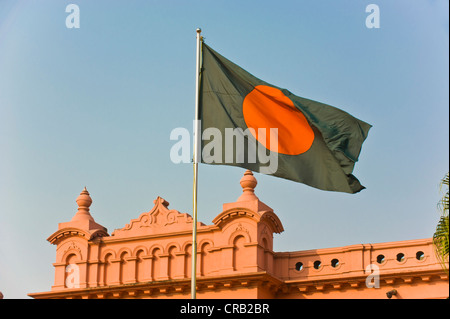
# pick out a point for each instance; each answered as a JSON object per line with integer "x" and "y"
{"x": 195, "y": 160}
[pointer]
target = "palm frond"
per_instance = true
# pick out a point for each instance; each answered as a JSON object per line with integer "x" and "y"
{"x": 443, "y": 203}
{"x": 441, "y": 235}
{"x": 441, "y": 240}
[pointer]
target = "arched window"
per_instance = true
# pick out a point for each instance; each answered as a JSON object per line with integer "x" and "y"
{"x": 156, "y": 264}
{"x": 188, "y": 261}
{"x": 238, "y": 253}
{"x": 140, "y": 272}
{"x": 124, "y": 271}
{"x": 171, "y": 262}
{"x": 265, "y": 245}
{"x": 206, "y": 261}
{"x": 107, "y": 274}
{"x": 72, "y": 272}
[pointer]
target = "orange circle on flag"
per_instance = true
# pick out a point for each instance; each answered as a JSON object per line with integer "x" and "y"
{"x": 267, "y": 107}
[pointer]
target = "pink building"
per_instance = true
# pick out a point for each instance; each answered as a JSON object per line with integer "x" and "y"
{"x": 151, "y": 258}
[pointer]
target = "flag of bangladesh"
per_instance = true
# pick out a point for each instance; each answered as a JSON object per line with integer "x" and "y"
{"x": 252, "y": 124}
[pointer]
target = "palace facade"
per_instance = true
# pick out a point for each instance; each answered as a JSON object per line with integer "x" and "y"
{"x": 151, "y": 258}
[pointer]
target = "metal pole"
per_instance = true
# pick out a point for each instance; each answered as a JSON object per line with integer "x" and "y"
{"x": 195, "y": 160}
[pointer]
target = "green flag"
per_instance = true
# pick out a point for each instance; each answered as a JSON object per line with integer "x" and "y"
{"x": 249, "y": 123}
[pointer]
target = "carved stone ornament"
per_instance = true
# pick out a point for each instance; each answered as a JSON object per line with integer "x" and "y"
{"x": 239, "y": 227}
{"x": 158, "y": 220}
{"x": 71, "y": 247}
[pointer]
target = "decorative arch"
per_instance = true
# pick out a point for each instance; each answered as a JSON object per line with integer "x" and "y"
{"x": 171, "y": 251}
{"x": 264, "y": 234}
{"x": 155, "y": 252}
{"x": 172, "y": 244}
{"x": 267, "y": 216}
{"x": 71, "y": 258}
{"x": 124, "y": 265}
{"x": 124, "y": 250}
{"x": 272, "y": 221}
{"x": 72, "y": 248}
{"x": 239, "y": 256}
{"x": 240, "y": 230}
{"x": 155, "y": 246}
{"x": 68, "y": 232}
{"x": 186, "y": 245}
{"x": 140, "y": 264}
{"x": 226, "y": 216}
{"x": 108, "y": 252}
{"x": 107, "y": 276}
{"x": 138, "y": 249}
{"x": 71, "y": 271}
{"x": 206, "y": 257}
{"x": 205, "y": 241}
{"x": 187, "y": 249}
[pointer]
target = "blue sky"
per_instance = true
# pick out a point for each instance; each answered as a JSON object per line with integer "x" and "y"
{"x": 95, "y": 106}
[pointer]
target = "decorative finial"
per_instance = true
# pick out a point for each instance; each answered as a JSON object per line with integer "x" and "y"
{"x": 248, "y": 183}
{"x": 199, "y": 30}
{"x": 84, "y": 201}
